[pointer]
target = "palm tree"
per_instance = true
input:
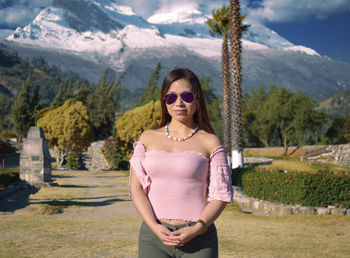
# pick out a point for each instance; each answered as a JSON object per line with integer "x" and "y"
{"x": 219, "y": 25}
{"x": 236, "y": 108}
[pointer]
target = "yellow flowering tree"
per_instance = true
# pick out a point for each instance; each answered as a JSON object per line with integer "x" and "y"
{"x": 130, "y": 126}
{"x": 67, "y": 128}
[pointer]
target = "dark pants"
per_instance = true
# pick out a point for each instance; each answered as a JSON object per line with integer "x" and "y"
{"x": 202, "y": 246}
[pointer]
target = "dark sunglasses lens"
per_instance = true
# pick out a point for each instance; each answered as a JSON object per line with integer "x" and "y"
{"x": 170, "y": 98}
{"x": 187, "y": 96}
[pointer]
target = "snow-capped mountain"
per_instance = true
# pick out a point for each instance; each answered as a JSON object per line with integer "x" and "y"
{"x": 82, "y": 35}
{"x": 106, "y": 28}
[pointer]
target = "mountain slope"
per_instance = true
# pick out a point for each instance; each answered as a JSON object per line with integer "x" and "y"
{"x": 88, "y": 36}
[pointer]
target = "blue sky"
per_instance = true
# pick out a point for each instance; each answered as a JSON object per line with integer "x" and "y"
{"x": 323, "y": 25}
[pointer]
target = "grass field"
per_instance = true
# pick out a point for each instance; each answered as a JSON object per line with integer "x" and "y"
{"x": 92, "y": 216}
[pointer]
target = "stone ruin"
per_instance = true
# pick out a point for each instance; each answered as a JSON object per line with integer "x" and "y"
{"x": 94, "y": 159}
{"x": 35, "y": 159}
{"x": 334, "y": 154}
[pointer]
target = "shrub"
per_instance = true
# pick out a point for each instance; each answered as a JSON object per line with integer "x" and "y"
{"x": 8, "y": 177}
{"x": 130, "y": 126}
{"x": 73, "y": 160}
{"x": 237, "y": 174}
{"x": 114, "y": 154}
{"x": 302, "y": 188}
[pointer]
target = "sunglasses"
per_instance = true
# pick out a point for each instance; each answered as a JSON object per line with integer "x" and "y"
{"x": 185, "y": 96}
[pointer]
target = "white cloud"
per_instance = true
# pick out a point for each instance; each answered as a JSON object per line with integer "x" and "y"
{"x": 297, "y": 10}
{"x": 20, "y": 12}
{"x": 147, "y": 8}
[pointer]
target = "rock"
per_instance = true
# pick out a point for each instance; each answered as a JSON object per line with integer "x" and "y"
{"x": 307, "y": 211}
{"x": 296, "y": 210}
{"x": 268, "y": 206}
{"x": 284, "y": 210}
{"x": 256, "y": 205}
{"x": 338, "y": 212}
{"x": 323, "y": 211}
{"x": 94, "y": 159}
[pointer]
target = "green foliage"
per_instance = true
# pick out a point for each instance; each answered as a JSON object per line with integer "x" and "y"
{"x": 102, "y": 105}
{"x": 114, "y": 155}
{"x": 130, "y": 125}
{"x": 8, "y": 177}
{"x": 23, "y": 110}
{"x": 339, "y": 131}
{"x": 281, "y": 117}
{"x": 73, "y": 160}
{"x": 68, "y": 127}
{"x": 8, "y": 60}
{"x": 219, "y": 24}
{"x": 5, "y": 108}
{"x": 14, "y": 72}
{"x": 213, "y": 105}
{"x": 152, "y": 92}
{"x": 301, "y": 188}
{"x": 237, "y": 174}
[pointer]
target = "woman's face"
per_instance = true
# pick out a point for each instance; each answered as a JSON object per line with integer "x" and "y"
{"x": 181, "y": 110}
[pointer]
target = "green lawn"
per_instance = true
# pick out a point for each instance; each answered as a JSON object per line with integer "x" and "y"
{"x": 96, "y": 219}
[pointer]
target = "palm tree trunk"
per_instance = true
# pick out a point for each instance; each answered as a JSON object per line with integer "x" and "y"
{"x": 236, "y": 110}
{"x": 226, "y": 94}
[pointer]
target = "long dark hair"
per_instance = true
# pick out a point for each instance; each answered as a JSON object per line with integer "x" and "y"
{"x": 201, "y": 115}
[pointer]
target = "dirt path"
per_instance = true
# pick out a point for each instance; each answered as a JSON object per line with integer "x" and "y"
{"x": 80, "y": 194}
{"x": 83, "y": 214}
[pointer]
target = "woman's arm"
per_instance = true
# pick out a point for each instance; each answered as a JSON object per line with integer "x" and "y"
{"x": 210, "y": 213}
{"x": 144, "y": 208}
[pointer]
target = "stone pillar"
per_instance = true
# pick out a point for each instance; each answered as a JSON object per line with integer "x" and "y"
{"x": 35, "y": 160}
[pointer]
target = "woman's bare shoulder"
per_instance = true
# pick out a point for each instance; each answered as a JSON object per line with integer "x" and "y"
{"x": 149, "y": 136}
{"x": 210, "y": 140}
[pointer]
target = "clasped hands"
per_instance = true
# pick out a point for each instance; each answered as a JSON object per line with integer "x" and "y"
{"x": 178, "y": 237}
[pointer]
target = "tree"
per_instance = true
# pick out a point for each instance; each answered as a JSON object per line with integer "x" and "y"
{"x": 23, "y": 110}
{"x": 283, "y": 115}
{"x": 152, "y": 92}
{"x": 339, "y": 131}
{"x": 103, "y": 105}
{"x": 219, "y": 25}
{"x": 5, "y": 148}
{"x": 260, "y": 124}
{"x": 213, "y": 105}
{"x": 5, "y": 108}
{"x": 133, "y": 122}
{"x": 237, "y": 141}
{"x": 67, "y": 128}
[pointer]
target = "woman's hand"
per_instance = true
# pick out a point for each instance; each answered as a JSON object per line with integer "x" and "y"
{"x": 184, "y": 235}
{"x": 165, "y": 235}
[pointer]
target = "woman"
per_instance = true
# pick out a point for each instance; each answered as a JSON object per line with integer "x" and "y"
{"x": 172, "y": 171}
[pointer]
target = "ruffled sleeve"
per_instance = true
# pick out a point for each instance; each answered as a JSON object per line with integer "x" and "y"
{"x": 136, "y": 164}
{"x": 220, "y": 184}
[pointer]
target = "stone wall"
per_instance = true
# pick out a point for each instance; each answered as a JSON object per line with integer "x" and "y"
{"x": 334, "y": 154}
{"x": 266, "y": 208}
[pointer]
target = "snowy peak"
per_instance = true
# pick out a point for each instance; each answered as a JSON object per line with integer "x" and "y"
{"x": 103, "y": 29}
{"x": 98, "y": 15}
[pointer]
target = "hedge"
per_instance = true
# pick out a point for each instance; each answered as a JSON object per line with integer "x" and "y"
{"x": 306, "y": 189}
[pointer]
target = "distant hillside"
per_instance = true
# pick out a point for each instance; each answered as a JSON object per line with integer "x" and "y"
{"x": 336, "y": 105}
{"x": 14, "y": 71}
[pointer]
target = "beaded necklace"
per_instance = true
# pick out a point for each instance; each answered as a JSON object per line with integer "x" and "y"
{"x": 180, "y": 139}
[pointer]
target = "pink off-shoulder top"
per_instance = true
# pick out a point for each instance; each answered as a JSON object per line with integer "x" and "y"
{"x": 176, "y": 183}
